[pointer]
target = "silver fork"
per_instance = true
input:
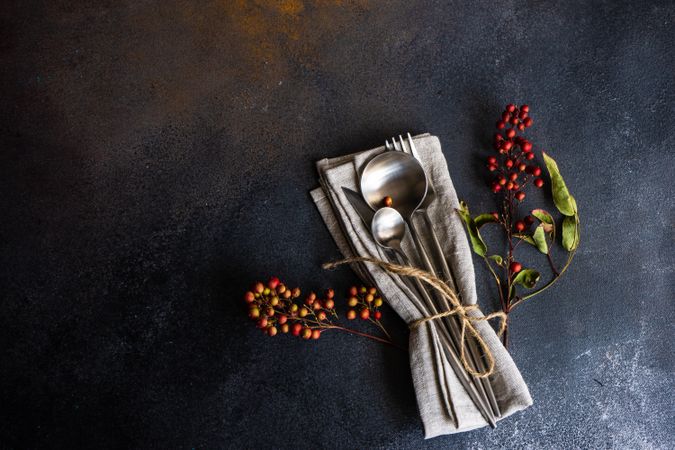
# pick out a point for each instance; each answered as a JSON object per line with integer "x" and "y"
{"x": 474, "y": 352}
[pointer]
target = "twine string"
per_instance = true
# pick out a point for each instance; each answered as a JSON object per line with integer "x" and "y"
{"x": 458, "y": 309}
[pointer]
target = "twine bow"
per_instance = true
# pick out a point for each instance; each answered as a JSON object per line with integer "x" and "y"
{"x": 461, "y": 311}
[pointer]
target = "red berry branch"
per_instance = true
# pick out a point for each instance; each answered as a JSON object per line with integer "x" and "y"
{"x": 514, "y": 170}
{"x": 276, "y": 308}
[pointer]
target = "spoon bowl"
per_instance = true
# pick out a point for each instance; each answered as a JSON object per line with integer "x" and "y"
{"x": 397, "y": 175}
{"x": 388, "y": 228}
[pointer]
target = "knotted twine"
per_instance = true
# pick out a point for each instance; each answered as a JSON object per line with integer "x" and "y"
{"x": 458, "y": 309}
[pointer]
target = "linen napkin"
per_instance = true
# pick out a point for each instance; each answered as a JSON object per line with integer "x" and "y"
{"x": 444, "y": 405}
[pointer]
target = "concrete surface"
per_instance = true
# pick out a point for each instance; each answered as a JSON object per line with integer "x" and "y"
{"x": 157, "y": 158}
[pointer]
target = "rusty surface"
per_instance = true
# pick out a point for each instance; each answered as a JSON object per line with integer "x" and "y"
{"x": 156, "y": 158}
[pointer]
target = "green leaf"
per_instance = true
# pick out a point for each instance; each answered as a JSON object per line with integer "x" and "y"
{"x": 526, "y": 238}
{"x": 527, "y": 278}
{"x": 570, "y": 233}
{"x": 539, "y": 238}
{"x": 477, "y": 243}
{"x": 546, "y": 220}
{"x": 543, "y": 215}
{"x": 561, "y": 196}
{"x": 482, "y": 219}
{"x": 498, "y": 259}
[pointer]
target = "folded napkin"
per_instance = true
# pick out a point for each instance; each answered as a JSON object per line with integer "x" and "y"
{"x": 444, "y": 405}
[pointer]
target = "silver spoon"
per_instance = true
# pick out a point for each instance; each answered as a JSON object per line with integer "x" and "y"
{"x": 388, "y": 229}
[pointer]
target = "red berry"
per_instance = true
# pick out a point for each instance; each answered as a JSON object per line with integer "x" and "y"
{"x": 522, "y": 115}
{"x": 516, "y": 186}
{"x": 295, "y": 329}
{"x": 270, "y": 311}
{"x": 521, "y": 127}
{"x": 508, "y": 163}
{"x": 316, "y": 306}
{"x": 510, "y": 107}
{"x": 525, "y": 108}
{"x": 501, "y": 125}
{"x": 492, "y": 168}
{"x": 530, "y": 156}
{"x": 249, "y": 297}
{"x": 495, "y": 215}
{"x": 282, "y": 319}
{"x": 329, "y": 304}
{"x": 254, "y": 312}
{"x": 273, "y": 283}
{"x": 388, "y": 201}
{"x": 522, "y": 167}
{"x": 330, "y": 293}
{"x": 321, "y": 315}
{"x": 539, "y": 182}
{"x": 272, "y": 331}
{"x": 351, "y": 314}
{"x": 527, "y": 122}
{"x": 510, "y": 133}
{"x": 296, "y": 292}
{"x": 316, "y": 334}
{"x": 536, "y": 171}
{"x": 513, "y": 121}
{"x": 509, "y": 185}
{"x": 506, "y": 116}
{"x": 258, "y": 287}
{"x": 364, "y": 314}
{"x": 492, "y": 160}
{"x": 501, "y": 181}
{"x": 496, "y": 188}
{"x": 520, "y": 195}
{"x": 378, "y": 315}
{"x": 515, "y": 267}
{"x": 306, "y": 333}
{"x": 513, "y": 176}
{"x": 498, "y": 137}
{"x": 353, "y": 291}
{"x": 506, "y": 145}
{"x": 262, "y": 323}
{"x": 369, "y": 298}
{"x": 352, "y": 301}
{"x": 372, "y": 291}
{"x": 520, "y": 226}
{"x": 284, "y": 328}
{"x": 527, "y": 146}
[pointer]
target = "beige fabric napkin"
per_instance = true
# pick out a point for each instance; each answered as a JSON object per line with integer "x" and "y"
{"x": 444, "y": 405}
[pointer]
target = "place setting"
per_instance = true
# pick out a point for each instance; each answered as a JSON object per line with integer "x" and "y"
{"x": 395, "y": 216}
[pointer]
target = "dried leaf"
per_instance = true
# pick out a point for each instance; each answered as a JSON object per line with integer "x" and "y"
{"x": 477, "y": 242}
{"x": 561, "y": 196}
{"x": 570, "y": 233}
{"x": 539, "y": 238}
{"x": 482, "y": 219}
{"x": 498, "y": 259}
{"x": 543, "y": 215}
{"x": 527, "y": 278}
{"x": 525, "y": 237}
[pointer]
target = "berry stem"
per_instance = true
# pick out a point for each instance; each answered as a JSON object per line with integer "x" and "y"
{"x": 366, "y": 335}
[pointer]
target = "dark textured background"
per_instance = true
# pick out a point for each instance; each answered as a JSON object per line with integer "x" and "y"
{"x": 157, "y": 158}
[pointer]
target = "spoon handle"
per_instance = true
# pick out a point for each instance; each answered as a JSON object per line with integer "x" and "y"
{"x": 450, "y": 350}
{"x": 449, "y": 276}
{"x": 481, "y": 385}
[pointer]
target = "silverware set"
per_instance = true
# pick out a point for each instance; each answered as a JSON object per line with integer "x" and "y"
{"x": 399, "y": 174}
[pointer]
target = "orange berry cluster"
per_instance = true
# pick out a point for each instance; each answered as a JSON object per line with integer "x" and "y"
{"x": 275, "y": 308}
{"x": 364, "y": 303}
